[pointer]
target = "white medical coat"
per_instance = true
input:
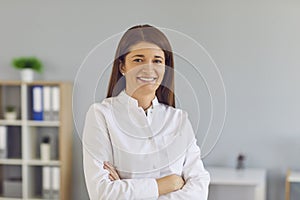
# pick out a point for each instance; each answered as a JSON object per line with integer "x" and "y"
{"x": 142, "y": 147}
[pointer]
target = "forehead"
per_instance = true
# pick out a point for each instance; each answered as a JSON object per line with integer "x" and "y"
{"x": 145, "y": 47}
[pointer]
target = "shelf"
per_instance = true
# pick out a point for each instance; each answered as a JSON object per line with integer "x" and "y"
{"x": 10, "y": 122}
{"x": 43, "y": 123}
{"x": 43, "y": 163}
{"x": 10, "y": 95}
{"x": 291, "y": 177}
{"x": 46, "y": 83}
{"x": 11, "y": 161}
{"x": 10, "y": 83}
{"x": 9, "y": 198}
{"x": 29, "y": 123}
{"x": 24, "y": 136}
{"x": 11, "y": 181}
{"x": 36, "y": 82}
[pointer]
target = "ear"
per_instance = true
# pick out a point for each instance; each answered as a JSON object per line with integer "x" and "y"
{"x": 121, "y": 67}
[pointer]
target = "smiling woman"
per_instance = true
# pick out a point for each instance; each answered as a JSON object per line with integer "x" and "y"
{"x": 144, "y": 69}
{"x": 149, "y": 38}
{"x": 136, "y": 144}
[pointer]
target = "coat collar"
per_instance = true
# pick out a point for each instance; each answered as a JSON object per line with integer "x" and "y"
{"x": 125, "y": 98}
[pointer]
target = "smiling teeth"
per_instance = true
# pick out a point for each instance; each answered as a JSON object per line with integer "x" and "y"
{"x": 147, "y": 79}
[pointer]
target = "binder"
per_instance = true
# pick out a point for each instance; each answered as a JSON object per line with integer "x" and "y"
{"x": 51, "y": 182}
{"x": 56, "y": 182}
{"x": 46, "y": 182}
{"x": 37, "y": 103}
{"x": 3, "y": 141}
{"x": 55, "y": 102}
{"x": 47, "y": 102}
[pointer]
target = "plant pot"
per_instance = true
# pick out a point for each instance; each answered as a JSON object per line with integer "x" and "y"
{"x": 27, "y": 75}
{"x": 45, "y": 151}
{"x": 10, "y": 115}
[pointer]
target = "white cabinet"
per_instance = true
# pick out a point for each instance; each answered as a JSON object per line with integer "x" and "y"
{"x": 232, "y": 184}
{"x": 21, "y": 168}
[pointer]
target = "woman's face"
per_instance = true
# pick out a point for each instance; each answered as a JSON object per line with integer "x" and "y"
{"x": 144, "y": 68}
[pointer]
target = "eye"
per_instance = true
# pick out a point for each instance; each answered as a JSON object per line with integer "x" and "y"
{"x": 138, "y": 60}
{"x": 158, "y": 61}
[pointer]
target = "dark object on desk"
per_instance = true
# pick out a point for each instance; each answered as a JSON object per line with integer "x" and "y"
{"x": 240, "y": 162}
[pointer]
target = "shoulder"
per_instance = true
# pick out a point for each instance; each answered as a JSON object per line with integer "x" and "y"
{"x": 174, "y": 113}
{"x": 100, "y": 107}
{"x": 173, "y": 110}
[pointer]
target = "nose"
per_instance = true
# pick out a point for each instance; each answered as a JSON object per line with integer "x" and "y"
{"x": 148, "y": 66}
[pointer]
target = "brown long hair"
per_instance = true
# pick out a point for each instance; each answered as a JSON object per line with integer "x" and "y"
{"x": 134, "y": 35}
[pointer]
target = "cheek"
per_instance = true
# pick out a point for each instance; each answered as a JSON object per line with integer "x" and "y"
{"x": 128, "y": 68}
{"x": 132, "y": 70}
{"x": 161, "y": 72}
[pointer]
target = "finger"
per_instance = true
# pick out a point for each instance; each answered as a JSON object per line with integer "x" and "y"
{"x": 111, "y": 178}
{"x": 112, "y": 171}
{"x": 108, "y": 166}
{"x": 114, "y": 174}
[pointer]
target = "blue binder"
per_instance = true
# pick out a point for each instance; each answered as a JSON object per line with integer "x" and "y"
{"x": 37, "y": 102}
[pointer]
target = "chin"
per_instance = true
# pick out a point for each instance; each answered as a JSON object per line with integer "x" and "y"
{"x": 148, "y": 88}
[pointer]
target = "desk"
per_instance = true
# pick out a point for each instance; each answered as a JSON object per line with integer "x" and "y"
{"x": 291, "y": 177}
{"x": 255, "y": 179}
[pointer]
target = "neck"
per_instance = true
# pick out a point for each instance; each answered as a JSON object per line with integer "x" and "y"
{"x": 144, "y": 100}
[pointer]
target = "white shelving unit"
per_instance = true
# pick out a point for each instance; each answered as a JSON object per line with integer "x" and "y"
{"x": 24, "y": 136}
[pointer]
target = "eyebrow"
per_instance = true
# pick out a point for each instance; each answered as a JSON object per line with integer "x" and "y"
{"x": 140, "y": 55}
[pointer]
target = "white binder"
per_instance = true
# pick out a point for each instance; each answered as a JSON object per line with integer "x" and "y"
{"x": 3, "y": 141}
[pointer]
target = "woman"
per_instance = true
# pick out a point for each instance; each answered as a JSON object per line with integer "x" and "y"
{"x": 136, "y": 144}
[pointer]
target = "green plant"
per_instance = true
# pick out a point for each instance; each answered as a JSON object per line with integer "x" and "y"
{"x": 28, "y": 63}
{"x": 10, "y": 108}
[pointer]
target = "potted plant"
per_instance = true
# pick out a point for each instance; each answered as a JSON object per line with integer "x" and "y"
{"x": 27, "y": 65}
{"x": 10, "y": 113}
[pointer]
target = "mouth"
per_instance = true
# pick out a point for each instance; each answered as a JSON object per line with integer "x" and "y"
{"x": 147, "y": 79}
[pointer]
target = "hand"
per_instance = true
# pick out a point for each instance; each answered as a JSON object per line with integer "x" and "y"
{"x": 113, "y": 174}
{"x": 169, "y": 184}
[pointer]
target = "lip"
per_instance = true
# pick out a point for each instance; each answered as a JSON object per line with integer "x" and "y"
{"x": 147, "y": 79}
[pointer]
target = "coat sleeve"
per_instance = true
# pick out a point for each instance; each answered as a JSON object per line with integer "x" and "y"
{"x": 196, "y": 177}
{"x": 96, "y": 149}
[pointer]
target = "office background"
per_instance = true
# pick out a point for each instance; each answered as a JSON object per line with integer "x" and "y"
{"x": 255, "y": 44}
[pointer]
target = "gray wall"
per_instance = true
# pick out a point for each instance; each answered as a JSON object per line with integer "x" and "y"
{"x": 256, "y": 46}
